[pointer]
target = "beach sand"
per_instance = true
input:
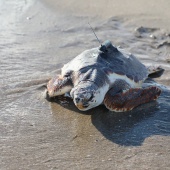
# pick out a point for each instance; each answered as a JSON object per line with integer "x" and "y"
{"x": 37, "y": 38}
{"x": 153, "y": 13}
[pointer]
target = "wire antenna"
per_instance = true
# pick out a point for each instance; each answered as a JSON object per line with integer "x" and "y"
{"x": 94, "y": 33}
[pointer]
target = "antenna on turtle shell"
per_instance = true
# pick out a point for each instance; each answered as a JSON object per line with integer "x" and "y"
{"x": 95, "y": 34}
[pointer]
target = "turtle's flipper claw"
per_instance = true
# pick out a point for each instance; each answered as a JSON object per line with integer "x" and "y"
{"x": 126, "y": 101}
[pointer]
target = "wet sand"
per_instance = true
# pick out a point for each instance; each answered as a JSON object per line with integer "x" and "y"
{"x": 154, "y": 13}
{"x": 37, "y": 38}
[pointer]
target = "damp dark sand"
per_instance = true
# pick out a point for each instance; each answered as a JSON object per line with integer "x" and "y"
{"x": 37, "y": 38}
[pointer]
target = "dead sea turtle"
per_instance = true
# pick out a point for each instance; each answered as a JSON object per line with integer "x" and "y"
{"x": 105, "y": 75}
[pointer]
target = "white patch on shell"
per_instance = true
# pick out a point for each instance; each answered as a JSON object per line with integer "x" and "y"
{"x": 80, "y": 61}
{"x": 113, "y": 77}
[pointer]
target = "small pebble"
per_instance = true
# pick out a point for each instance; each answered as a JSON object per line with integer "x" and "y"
{"x": 152, "y": 36}
{"x": 28, "y": 18}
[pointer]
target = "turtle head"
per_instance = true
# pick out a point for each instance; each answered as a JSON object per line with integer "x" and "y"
{"x": 86, "y": 95}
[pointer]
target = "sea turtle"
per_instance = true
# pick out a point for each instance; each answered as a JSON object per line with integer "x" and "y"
{"x": 106, "y": 74}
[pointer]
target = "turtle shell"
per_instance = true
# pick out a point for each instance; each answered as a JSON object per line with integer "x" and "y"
{"x": 111, "y": 60}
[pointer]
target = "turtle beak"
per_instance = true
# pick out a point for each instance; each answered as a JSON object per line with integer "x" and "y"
{"x": 80, "y": 104}
{"x": 82, "y": 107}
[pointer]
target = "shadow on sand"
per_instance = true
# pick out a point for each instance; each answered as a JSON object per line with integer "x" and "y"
{"x": 133, "y": 127}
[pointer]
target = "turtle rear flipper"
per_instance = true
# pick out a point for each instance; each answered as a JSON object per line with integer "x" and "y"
{"x": 155, "y": 71}
{"x": 59, "y": 85}
{"x": 134, "y": 97}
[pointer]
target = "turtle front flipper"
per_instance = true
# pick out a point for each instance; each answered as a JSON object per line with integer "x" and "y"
{"x": 125, "y": 101}
{"x": 155, "y": 71}
{"x": 59, "y": 85}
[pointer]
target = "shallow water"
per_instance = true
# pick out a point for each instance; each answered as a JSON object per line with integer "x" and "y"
{"x": 37, "y": 134}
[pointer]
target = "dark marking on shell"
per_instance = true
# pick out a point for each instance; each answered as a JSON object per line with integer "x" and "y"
{"x": 94, "y": 75}
{"x": 136, "y": 79}
{"x": 112, "y": 61}
{"x": 120, "y": 73}
{"x": 130, "y": 76}
{"x": 108, "y": 71}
